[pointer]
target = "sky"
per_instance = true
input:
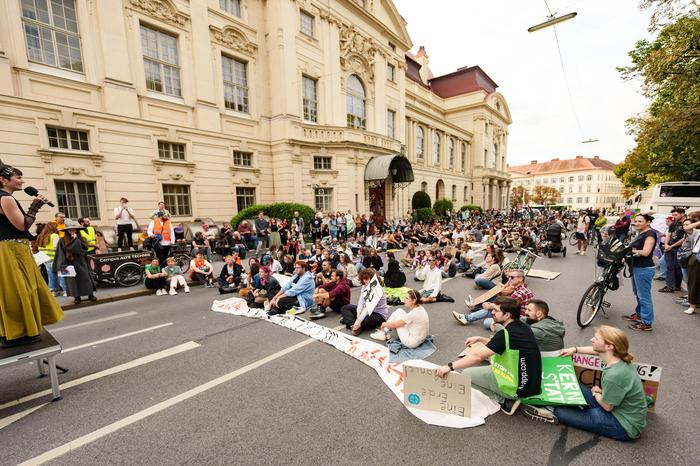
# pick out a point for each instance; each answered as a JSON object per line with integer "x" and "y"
{"x": 526, "y": 66}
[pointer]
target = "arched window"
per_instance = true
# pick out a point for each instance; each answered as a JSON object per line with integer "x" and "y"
{"x": 424, "y": 186}
{"x": 356, "y": 103}
{"x": 464, "y": 158}
{"x": 451, "y": 153}
{"x": 420, "y": 142}
{"x": 436, "y": 147}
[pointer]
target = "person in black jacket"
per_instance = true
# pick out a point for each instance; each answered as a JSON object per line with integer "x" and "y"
{"x": 269, "y": 286}
{"x": 394, "y": 277}
{"x": 373, "y": 261}
{"x": 230, "y": 277}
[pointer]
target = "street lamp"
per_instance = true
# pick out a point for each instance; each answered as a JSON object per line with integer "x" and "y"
{"x": 552, "y": 21}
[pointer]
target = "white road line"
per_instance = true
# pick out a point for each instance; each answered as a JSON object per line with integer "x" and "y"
{"x": 112, "y": 370}
{"x": 6, "y": 421}
{"x": 136, "y": 417}
{"x": 96, "y": 321}
{"x": 117, "y": 337}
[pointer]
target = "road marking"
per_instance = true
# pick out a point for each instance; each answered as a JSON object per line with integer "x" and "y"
{"x": 143, "y": 414}
{"x": 117, "y": 337}
{"x": 6, "y": 421}
{"x": 112, "y": 370}
{"x": 96, "y": 321}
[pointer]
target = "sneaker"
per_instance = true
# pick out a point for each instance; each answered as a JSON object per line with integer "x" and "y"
{"x": 689, "y": 311}
{"x": 342, "y": 321}
{"x": 159, "y": 293}
{"x": 378, "y": 335}
{"x": 632, "y": 317}
{"x": 683, "y": 302}
{"x": 460, "y": 318}
{"x": 163, "y": 292}
{"x": 296, "y": 310}
{"x": 318, "y": 314}
{"x": 266, "y": 305}
{"x": 509, "y": 407}
{"x": 172, "y": 292}
{"x": 540, "y": 413}
{"x": 65, "y": 294}
{"x": 583, "y": 253}
{"x": 328, "y": 309}
{"x": 666, "y": 289}
{"x": 641, "y": 326}
{"x": 682, "y": 298}
{"x": 187, "y": 289}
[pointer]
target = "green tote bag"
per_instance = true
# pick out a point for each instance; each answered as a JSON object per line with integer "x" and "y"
{"x": 505, "y": 369}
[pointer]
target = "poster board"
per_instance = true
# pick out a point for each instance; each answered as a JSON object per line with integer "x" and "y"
{"x": 589, "y": 373}
{"x": 423, "y": 389}
{"x": 482, "y": 298}
{"x": 546, "y": 274}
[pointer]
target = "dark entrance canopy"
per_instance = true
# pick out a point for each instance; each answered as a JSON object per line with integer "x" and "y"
{"x": 398, "y": 166}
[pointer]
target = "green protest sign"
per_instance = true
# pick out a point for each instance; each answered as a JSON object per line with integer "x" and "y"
{"x": 559, "y": 384}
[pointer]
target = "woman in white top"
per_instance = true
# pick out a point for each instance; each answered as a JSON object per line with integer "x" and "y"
{"x": 412, "y": 327}
{"x": 124, "y": 215}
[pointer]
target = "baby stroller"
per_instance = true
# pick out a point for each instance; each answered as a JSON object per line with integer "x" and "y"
{"x": 554, "y": 242}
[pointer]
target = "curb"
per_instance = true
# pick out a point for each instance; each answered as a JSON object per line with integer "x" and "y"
{"x": 107, "y": 299}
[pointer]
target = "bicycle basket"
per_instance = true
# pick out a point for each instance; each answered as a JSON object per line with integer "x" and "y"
{"x": 612, "y": 252}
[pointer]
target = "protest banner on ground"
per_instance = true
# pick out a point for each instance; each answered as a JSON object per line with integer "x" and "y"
{"x": 372, "y": 354}
{"x": 559, "y": 384}
{"x": 423, "y": 389}
{"x": 589, "y": 372}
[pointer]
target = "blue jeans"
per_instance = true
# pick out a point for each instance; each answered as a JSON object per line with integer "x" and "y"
{"x": 478, "y": 314}
{"x": 662, "y": 267}
{"x": 641, "y": 287}
{"x": 484, "y": 283}
{"x": 55, "y": 282}
{"x": 592, "y": 418}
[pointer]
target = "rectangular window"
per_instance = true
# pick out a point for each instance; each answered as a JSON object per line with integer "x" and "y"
{"x": 569, "y": 200}
{"x": 51, "y": 33}
{"x": 580, "y": 177}
{"x": 571, "y": 189}
{"x": 306, "y": 23}
{"x": 60, "y": 138}
{"x": 160, "y": 61}
{"x": 390, "y": 72}
{"x": 171, "y": 151}
{"x": 323, "y": 198}
{"x": 322, "y": 163}
{"x": 589, "y": 177}
{"x": 561, "y": 189}
{"x": 578, "y": 200}
{"x": 177, "y": 198}
{"x": 390, "y": 119}
{"x": 561, "y": 180}
{"x": 232, "y": 7}
{"x": 571, "y": 179}
{"x": 588, "y": 188}
{"x": 77, "y": 199}
{"x": 245, "y": 197}
{"x": 310, "y": 100}
{"x": 242, "y": 159}
{"x": 586, "y": 200}
{"x": 554, "y": 180}
{"x": 465, "y": 193}
{"x": 235, "y": 84}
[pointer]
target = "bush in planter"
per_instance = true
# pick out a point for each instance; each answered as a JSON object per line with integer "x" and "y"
{"x": 441, "y": 207}
{"x": 277, "y": 210}
{"x": 471, "y": 207}
{"x": 423, "y": 215}
{"x": 420, "y": 200}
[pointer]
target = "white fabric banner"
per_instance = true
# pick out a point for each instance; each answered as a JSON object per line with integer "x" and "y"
{"x": 370, "y": 353}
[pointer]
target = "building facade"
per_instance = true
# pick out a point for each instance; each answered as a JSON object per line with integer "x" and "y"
{"x": 213, "y": 105}
{"x": 582, "y": 182}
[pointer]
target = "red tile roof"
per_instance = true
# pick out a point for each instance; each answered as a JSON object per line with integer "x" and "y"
{"x": 463, "y": 81}
{"x": 557, "y": 166}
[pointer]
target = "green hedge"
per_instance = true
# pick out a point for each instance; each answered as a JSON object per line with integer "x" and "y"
{"x": 278, "y": 210}
{"x": 420, "y": 200}
{"x": 471, "y": 207}
{"x": 441, "y": 207}
{"x": 422, "y": 215}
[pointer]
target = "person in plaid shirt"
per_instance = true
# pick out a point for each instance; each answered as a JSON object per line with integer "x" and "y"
{"x": 515, "y": 288}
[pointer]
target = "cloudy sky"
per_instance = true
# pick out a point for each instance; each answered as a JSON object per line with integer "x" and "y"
{"x": 493, "y": 34}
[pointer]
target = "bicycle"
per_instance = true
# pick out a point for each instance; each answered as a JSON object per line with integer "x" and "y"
{"x": 591, "y": 235}
{"x": 611, "y": 256}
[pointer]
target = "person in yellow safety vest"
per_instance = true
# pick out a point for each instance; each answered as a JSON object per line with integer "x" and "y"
{"x": 89, "y": 234}
{"x": 60, "y": 221}
{"x": 46, "y": 242}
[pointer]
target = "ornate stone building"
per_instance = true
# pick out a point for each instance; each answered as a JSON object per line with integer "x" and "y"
{"x": 212, "y": 105}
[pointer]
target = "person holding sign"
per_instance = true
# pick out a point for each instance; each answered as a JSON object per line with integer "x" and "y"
{"x": 618, "y": 408}
{"x": 516, "y": 363}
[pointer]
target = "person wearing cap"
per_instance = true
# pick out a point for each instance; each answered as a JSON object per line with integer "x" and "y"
{"x": 163, "y": 234}
{"x": 26, "y": 304}
{"x": 72, "y": 252}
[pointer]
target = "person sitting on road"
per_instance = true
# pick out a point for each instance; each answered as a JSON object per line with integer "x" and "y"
{"x": 373, "y": 261}
{"x": 155, "y": 278}
{"x": 449, "y": 267}
{"x": 548, "y": 331}
{"x": 269, "y": 286}
{"x": 288, "y": 265}
{"x": 618, "y": 407}
{"x": 412, "y": 327}
{"x": 432, "y": 284}
{"x": 394, "y": 277}
{"x": 362, "y": 316}
{"x": 515, "y": 288}
{"x": 466, "y": 257}
{"x": 173, "y": 275}
{"x": 491, "y": 270}
{"x": 230, "y": 277}
{"x": 506, "y": 312}
{"x": 349, "y": 270}
{"x": 201, "y": 271}
{"x": 331, "y": 296}
{"x": 324, "y": 276}
{"x": 298, "y": 291}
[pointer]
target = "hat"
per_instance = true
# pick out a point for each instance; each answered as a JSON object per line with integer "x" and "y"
{"x": 72, "y": 225}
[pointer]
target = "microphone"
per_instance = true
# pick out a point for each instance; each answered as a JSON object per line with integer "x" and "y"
{"x": 32, "y": 191}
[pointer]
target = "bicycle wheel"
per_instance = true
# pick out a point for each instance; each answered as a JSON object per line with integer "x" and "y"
{"x": 590, "y": 304}
{"x": 572, "y": 239}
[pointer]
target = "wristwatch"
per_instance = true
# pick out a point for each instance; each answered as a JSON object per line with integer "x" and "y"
{"x": 449, "y": 364}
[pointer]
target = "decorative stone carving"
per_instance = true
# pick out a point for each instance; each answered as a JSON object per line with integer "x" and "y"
{"x": 326, "y": 15}
{"x": 175, "y": 176}
{"x": 163, "y": 10}
{"x": 234, "y": 39}
{"x": 357, "y": 53}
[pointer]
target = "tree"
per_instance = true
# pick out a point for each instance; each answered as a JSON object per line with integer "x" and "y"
{"x": 545, "y": 195}
{"x": 421, "y": 200}
{"x": 519, "y": 195}
{"x": 667, "y": 136}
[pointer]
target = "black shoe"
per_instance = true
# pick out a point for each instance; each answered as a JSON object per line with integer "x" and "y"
{"x": 509, "y": 407}
{"x": 317, "y": 315}
{"x": 76, "y": 301}
{"x": 666, "y": 289}
{"x": 92, "y": 297}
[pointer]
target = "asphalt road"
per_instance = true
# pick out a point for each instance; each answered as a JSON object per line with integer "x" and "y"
{"x": 311, "y": 404}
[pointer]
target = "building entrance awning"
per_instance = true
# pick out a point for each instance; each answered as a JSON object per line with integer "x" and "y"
{"x": 398, "y": 166}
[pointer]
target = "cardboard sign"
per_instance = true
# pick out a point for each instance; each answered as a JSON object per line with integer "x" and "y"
{"x": 546, "y": 274}
{"x": 422, "y": 389}
{"x": 482, "y": 298}
{"x": 589, "y": 373}
{"x": 559, "y": 384}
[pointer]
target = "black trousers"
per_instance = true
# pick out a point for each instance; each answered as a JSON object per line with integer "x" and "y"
{"x": 161, "y": 252}
{"x": 125, "y": 235}
{"x": 286, "y": 303}
{"x": 159, "y": 283}
{"x": 372, "y": 321}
